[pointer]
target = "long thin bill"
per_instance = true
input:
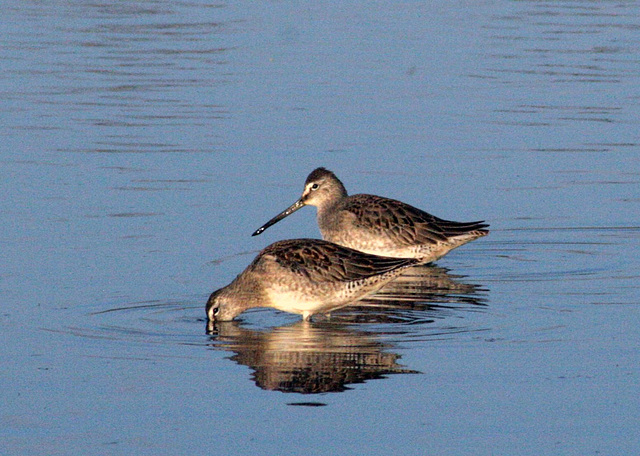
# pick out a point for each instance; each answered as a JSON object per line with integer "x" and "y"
{"x": 290, "y": 210}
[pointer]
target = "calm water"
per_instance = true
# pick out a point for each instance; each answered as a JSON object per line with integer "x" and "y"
{"x": 143, "y": 142}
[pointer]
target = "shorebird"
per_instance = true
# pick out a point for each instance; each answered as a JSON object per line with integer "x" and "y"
{"x": 377, "y": 225}
{"x": 304, "y": 276}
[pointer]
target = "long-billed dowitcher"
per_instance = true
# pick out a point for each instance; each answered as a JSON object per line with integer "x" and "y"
{"x": 304, "y": 276}
{"x": 377, "y": 225}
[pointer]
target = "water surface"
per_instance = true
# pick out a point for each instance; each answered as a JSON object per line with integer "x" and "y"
{"x": 143, "y": 142}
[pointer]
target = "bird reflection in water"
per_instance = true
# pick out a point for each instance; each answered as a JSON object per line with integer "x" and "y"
{"x": 328, "y": 354}
{"x": 420, "y": 294}
{"x": 308, "y": 357}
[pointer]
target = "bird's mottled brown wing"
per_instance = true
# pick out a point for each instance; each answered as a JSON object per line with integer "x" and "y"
{"x": 324, "y": 261}
{"x": 403, "y": 223}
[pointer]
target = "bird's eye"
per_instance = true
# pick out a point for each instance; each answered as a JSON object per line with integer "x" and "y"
{"x": 216, "y": 310}
{"x": 314, "y": 187}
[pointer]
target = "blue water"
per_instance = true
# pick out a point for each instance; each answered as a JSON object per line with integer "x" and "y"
{"x": 143, "y": 142}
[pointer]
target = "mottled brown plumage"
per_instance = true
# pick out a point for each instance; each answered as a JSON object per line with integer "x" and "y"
{"x": 378, "y": 225}
{"x": 304, "y": 276}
